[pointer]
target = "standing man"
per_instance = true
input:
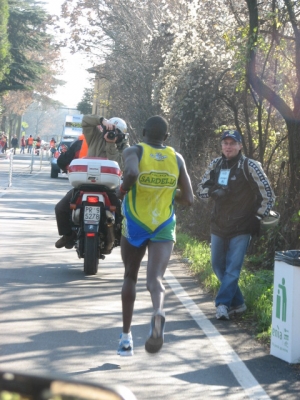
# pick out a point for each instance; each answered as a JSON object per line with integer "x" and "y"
{"x": 242, "y": 197}
{"x": 23, "y": 144}
{"x": 14, "y": 143}
{"x": 154, "y": 177}
{"x": 2, "y": 142}
{"x": 29, "y": 144}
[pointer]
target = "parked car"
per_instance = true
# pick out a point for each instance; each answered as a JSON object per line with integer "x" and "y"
{"x": 62, "y": 146}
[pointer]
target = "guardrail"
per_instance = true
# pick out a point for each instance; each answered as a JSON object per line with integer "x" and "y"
{"x": 9, "y": 172}
{"x": 10, "y": 157}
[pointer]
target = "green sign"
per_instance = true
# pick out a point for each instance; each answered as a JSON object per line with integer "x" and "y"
{"x": 281, "y": 301}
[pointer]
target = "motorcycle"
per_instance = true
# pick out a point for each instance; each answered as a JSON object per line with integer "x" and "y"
{"x": 95, "y": 209}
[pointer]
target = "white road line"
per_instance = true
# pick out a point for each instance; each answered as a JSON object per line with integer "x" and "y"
{"x": 247, "y": 381}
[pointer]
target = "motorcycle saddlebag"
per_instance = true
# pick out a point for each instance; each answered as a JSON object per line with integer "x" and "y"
{"x": 94, "y": 170}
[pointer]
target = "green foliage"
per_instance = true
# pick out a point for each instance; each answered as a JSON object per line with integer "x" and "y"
{"x": 86, "y": 104}
{"x": 257, "y": 287}
{"x": 4, "y": 43}
{"x": 27, "y": 35}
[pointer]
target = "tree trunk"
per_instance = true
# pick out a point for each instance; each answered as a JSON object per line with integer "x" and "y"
{"x": 19, "y": 127}
{"x": 292, "y": 118}
{"x": 293, "y": 203}
{"x": 3, "y": 123}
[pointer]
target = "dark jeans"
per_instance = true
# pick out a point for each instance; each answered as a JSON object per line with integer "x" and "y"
{"x": 227, "y": 257}
{"x": 62, "y": 213}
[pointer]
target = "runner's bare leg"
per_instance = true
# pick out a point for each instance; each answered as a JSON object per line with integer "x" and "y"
{"x": 159, "y": 254}
{"x": 132, "y": 257}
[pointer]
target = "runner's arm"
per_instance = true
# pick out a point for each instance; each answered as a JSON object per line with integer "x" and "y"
{"x": 184, "y": 194}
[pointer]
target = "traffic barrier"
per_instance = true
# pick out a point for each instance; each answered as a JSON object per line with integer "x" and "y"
{"x": 11, "y": 169}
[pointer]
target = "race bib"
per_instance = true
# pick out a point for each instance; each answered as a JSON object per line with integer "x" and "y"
{"x": 224, "y": 177}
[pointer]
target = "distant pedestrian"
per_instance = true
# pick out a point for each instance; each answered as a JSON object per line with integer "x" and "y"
{"x": 29, "y": 144}
{"x": 5, "y": 143}
{"x": 2, "y": 143}
{"x": 14, "y": 143}
{"x": 23, "y": 144}
{"x": 52, "y": 146}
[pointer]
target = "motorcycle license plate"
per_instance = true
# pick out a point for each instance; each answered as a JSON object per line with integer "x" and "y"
{"x": 91, "y": 214}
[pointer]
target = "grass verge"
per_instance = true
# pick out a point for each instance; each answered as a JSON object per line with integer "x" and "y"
{"x": 257, "y": 287}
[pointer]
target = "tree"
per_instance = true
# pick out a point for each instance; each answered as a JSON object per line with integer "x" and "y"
{"x": 34, "y": 63}
{"x": 131, "y": 37}
{"x": 28, "y": 43}
{"x": 283, "y": 95}
{"x": 47, "y": 121}
{"x": 187, "y": 61}
{"x": 4, "y": 43}
{"x": 86, "y": 104}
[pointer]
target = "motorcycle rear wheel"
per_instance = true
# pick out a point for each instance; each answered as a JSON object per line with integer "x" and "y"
{"x": 91, "y": 261}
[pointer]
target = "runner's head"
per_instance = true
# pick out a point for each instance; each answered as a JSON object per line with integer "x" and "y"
{"x": 156, "y": 128}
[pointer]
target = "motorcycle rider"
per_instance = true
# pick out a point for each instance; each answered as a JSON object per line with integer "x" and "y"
{"x": 78, "y": 149}
{"x": 96, "y": 144}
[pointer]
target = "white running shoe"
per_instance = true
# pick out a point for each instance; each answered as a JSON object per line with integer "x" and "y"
{"x": 125, "y": 346}
{"x": 222, "y": 312}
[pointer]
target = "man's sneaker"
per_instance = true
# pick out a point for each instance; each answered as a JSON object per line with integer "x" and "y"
{"x": 156, "y": 335}
{"x": 125, "y": 346}
{"x": 222, "y": 312}
{"x": 66, "y": 240}
{"x": 237, "y": 310}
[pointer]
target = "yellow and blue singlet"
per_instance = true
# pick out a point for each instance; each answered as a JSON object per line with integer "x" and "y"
{"x": 148, "y": 208}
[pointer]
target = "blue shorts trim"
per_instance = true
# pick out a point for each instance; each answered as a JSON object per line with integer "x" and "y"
{"x": 138, "y": 236}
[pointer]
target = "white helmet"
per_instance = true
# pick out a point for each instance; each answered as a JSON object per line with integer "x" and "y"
{"x": 119, "y": 124}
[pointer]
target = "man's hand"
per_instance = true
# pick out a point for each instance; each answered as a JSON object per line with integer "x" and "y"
{"x": 108, "y": 126}
{"x": 119, "y": 194}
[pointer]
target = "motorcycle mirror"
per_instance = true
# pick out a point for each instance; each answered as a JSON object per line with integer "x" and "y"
{"x": 19, "y": 386}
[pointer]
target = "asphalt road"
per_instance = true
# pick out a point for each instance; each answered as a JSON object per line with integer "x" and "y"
{"x": 56, "y": 320}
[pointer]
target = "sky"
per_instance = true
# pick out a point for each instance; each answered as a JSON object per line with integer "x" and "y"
{"x": 75, "y": 66}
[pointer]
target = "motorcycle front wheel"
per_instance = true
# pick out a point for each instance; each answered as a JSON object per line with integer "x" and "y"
{"x": 91, "y": 260}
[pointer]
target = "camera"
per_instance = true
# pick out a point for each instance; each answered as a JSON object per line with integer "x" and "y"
{"x": 219, "y": 191}
{"x": 111, "y": 135}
